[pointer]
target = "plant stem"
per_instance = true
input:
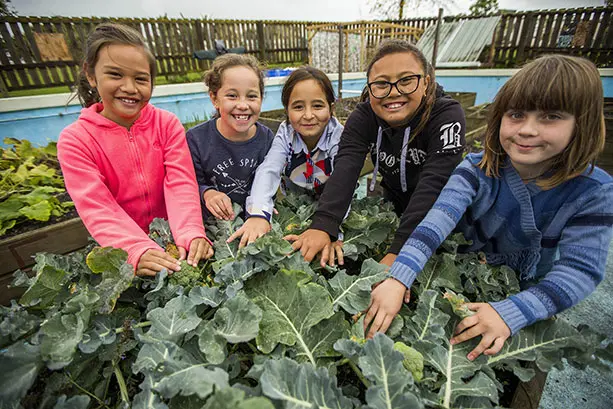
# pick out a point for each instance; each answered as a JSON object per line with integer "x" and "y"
{"x": 122, "y": 383}
{"x": 85, "y": 391}
{"x": 139, "y": 325}
{"x": 342, "y": 362}
{"x": 359, "y": 373}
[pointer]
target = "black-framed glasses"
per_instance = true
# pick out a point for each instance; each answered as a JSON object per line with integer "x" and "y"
{"x": 405, "y": 85}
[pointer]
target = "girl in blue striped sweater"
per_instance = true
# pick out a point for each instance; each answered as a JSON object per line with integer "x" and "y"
{"x": 533, "y": 200}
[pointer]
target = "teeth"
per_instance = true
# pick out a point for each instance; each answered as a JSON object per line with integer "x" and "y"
{"x": 241, "y": 117}
{"x": 394, "y": 105}
{"x": 128, "y": 101}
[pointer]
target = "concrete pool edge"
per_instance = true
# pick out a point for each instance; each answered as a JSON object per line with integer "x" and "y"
{"x": 59, "y": 100}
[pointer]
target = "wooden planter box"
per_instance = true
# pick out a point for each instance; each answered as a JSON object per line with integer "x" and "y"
{"x": 18, "y": 251}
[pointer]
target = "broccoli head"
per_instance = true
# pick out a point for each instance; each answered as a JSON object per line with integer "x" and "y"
{"x": 413, "y": 360}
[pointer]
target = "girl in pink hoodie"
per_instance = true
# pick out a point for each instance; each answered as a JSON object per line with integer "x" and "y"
{"x": 126, "y": 162}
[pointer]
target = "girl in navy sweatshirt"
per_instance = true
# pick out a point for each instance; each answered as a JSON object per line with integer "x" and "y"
{"x": 415, "y": 136}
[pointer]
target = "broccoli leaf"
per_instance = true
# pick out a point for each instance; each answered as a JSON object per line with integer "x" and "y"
{"x": 301, "y": 385}
{"x": 352, "y": 293}
{"x": 233, "y": 398}
{"x": 20, "y": 363}
{"x": 391, "y": 382}
{"x": 237, "y": 320}
{"x": 177, "y": 318}
{"x": 291, "y": 306}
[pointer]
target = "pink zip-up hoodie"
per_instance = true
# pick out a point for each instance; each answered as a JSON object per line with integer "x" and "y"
{"x": 121, "y": 179}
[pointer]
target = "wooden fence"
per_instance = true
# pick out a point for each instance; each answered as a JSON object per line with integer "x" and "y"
{"x": 46, "y": 52}
{"x": 586, "y": 32}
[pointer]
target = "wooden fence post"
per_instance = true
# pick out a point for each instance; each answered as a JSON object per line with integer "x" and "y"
{"x": 340, "y": 65}
{"x": 3, "y": 88}
{"x": 436, "y": 34}
{"x": 261, "y": 40}
{"x": 526, "y": 36}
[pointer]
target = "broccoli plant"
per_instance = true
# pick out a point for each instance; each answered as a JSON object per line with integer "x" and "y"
{"x": 261, "y": 328}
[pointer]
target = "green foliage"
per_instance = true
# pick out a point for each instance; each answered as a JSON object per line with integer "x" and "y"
{"x": 261, "y": 328}
{"x": 31, "y": 185}
{"x": 483, "y": 7}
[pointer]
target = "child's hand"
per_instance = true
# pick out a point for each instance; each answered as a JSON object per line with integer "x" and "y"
{"x": 198, "y": 249}
{"x": 385, "y": 302}
{"x": 219, "y": 204}
{"x": 310, "y": 243}
{"x": 254, "y": 228}
{"x": 335, "y": 251}
{"x": 154, "y": 261}
{"x": 388, "y": 260}
{"x": 487, "y": 323}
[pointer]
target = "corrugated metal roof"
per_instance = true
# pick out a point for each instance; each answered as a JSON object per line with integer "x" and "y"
{"x": 460, "y": 42}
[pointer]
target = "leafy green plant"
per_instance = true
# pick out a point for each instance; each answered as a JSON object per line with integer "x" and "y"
{"x": 31, "y": 185}
{"x": 269, "y": 331}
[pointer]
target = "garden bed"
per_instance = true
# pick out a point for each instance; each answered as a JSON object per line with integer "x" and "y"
{"x": 18, "y": 252}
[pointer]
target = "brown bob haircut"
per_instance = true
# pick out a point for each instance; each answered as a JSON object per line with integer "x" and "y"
{"x": 552, "y": 83}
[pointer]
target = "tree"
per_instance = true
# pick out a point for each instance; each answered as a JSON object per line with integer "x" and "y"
{"x": 6, "y": 9}
{"x": 396, "y": 9}
{"x": 483, "y": 7}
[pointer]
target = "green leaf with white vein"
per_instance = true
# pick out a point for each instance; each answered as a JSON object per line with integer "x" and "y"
{"x": 461, "y": 376}
{"x": 174, "y": 371}
{"x": 291, "y": 306}
{"x": 63, "y": 331}
{"x": 352, "y": 293}
{"x": 115, "y": 280}
{"x": 234, "y": 274}
{"x": 177, "y": 318}
{"x": 211, "y": 296}
{"x": 20, "y": 365}
{"x": 180, "y": 377}
{"x": 237, "y": 320}
{"x": 233, "y": 398}
{"x": 49, "y": 281}
{"x": 545, "y": 342}
{"x": 391, "y": 382}
{"x": 428, "y": 322}
{"x": 301, "y": 386}
{"x": 321, "y": 337}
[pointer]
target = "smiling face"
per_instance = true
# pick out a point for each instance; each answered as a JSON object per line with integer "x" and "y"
{"x": 532, "y": 139}
{"x": 238, "y": 102}
{"x": 123, "y": 80}
{"x": 308, "y": 111}
{"x": 397, "y": 109}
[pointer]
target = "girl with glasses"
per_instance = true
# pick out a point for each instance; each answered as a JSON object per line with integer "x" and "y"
{"x": 415, "y": 136}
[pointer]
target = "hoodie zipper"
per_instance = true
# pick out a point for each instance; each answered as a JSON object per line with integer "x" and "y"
{"x": 139, "y": 169}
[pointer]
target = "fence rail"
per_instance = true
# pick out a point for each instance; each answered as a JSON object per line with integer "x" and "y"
{"x": 585, "y": 32}
{"x": 40, "y": 52}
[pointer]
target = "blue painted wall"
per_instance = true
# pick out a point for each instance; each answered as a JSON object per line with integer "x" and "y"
{"x": 44, "y": 125}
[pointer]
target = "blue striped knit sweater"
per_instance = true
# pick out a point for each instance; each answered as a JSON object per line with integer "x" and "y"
{"x": 559, "y": 236}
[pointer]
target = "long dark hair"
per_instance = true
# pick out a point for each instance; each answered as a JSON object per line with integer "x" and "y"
{"x": 103, "y": 35}
{"x": 395, "y": 46}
